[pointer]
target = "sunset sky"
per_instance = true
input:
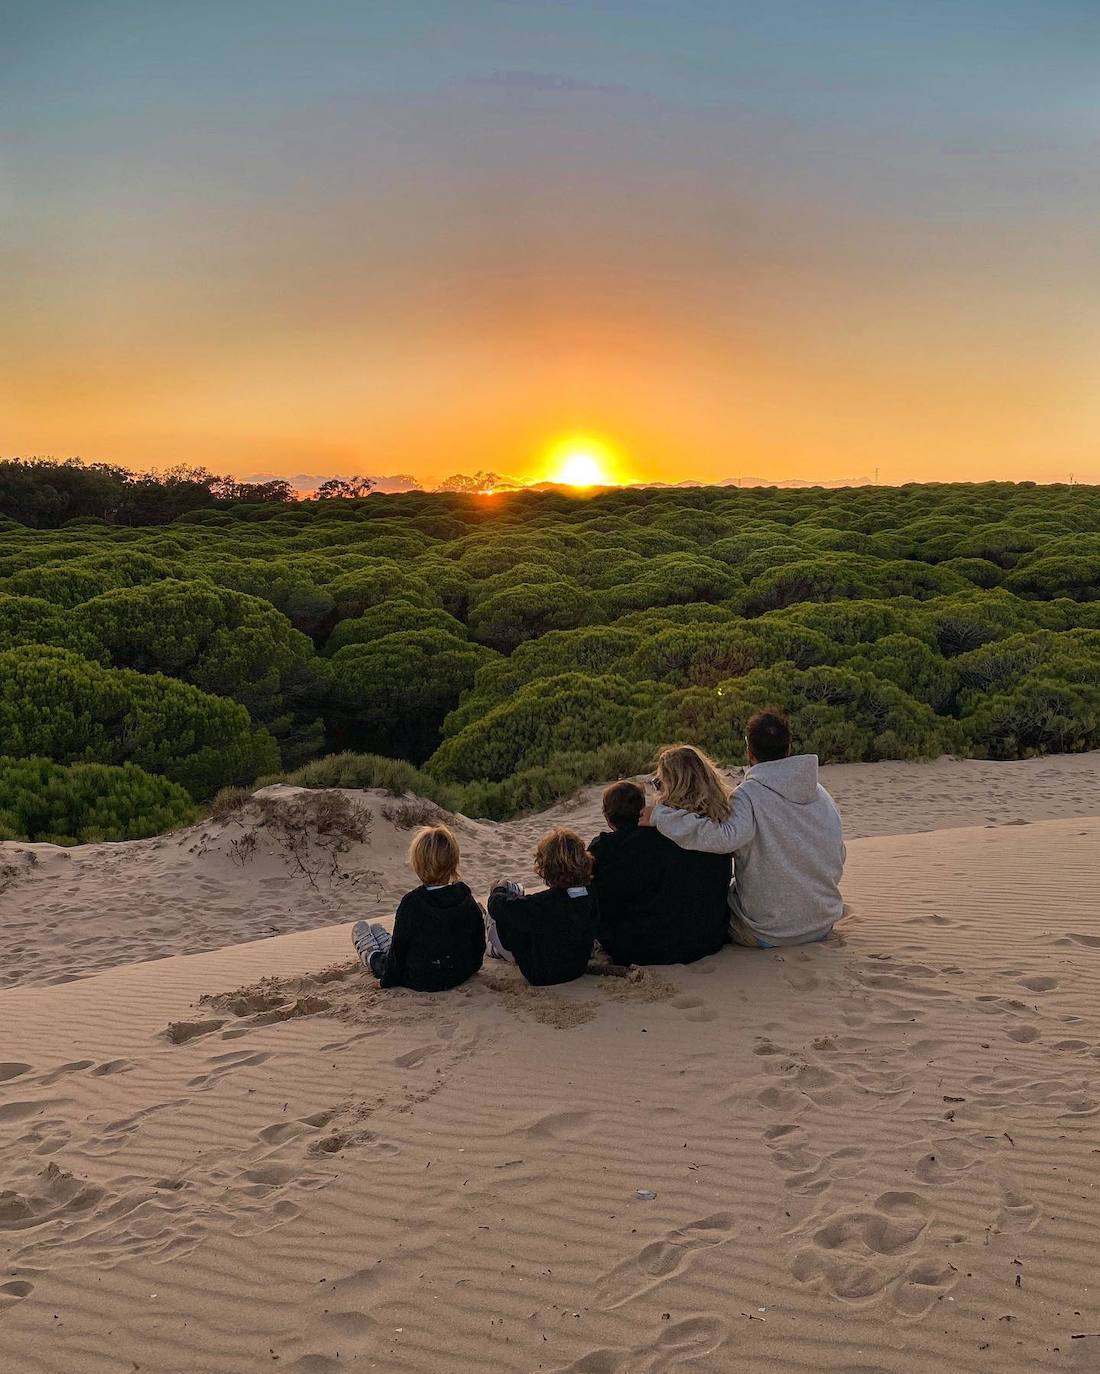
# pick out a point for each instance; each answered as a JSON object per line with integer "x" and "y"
{"x": 791, "y": 239}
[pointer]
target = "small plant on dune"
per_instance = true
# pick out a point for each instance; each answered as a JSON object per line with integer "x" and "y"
{"x": 229, "y": 803}
{"x": 243, "y": 847}
{"x": 315, "y": 831}
{"x": 395, "y": 776}
{"x": 412, "y": 811}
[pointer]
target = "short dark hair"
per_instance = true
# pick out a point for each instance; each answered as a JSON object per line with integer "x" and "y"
{"x": 768, "y": 735}
{"x": 561, "y": 859}
{"x": 622, "y": 804}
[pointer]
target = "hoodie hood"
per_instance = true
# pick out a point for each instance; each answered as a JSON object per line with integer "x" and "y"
{"x": 447, "y": 898}
{"x": 794, "y": 779}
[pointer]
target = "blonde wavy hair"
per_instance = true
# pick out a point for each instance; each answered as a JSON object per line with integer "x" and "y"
{"x": 434, "y": 855}
{"x": 691, "y": 781}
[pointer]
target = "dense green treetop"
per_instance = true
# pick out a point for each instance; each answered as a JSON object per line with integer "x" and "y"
{"x": 206, "y": 632}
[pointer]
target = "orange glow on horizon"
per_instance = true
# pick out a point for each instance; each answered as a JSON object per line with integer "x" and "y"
{"x": 582, "y": 461}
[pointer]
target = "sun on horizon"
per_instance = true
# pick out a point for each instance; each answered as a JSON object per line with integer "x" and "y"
{"x": 580, "y": 460}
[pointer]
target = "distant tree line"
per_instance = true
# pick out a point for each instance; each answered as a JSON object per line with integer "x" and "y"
{"x": 46, "y": 494}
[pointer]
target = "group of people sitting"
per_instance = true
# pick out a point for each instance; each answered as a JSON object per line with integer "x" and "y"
{"x": 667, "y": 883}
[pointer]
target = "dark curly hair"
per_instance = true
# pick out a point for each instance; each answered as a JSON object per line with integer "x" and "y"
{"x": 561, "y": 859}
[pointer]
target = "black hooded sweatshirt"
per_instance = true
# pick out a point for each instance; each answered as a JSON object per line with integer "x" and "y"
{"x": 658, "y": 903}
{"x": 438, "y": 939}
{"x": 549, "y": 932}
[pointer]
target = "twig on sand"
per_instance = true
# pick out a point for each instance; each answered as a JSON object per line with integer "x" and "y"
{"x": 631, "y": 972}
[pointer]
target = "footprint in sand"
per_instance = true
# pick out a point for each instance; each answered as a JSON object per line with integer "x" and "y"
{"x": 677, "y": 1345}
{"x": 561, "y": 1126}
{"x": 55, "y": 1193}
{"x": 316, "y": 1364}
{"x": 63, "y": 1070}
{"x": 945, "y": 1160}
{"x": 682, "y": 1343}
{"x": 111, "y": 1067}
{"x": 13, "y": 1070}
{"x": 810, "y": 1174}
{"x": 660, "y": 1260}
{"x": 1037, "y": 983}
{"x": 857, "y": 1254}
{"x": 115, "y": 1134}
{"x": 924, "y": 1283}
{"x": 349, "y": 1325}
{"x": 180, "y": 1032}
{"x": 16, "y": 1291}
{"x": 1017, "y": 1211}
{"x": 344, "y": 1140}
{"x": 20, "y": 1111}
{"x": 694, "y": 1008}
{"x": 225, "y": 1064}
{"x": 411, "y": 1059}
{"x": 1023, "y": 1035}
{"x": 784, "y": 1100}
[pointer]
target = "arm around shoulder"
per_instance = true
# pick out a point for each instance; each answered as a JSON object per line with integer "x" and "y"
{"x": 710, "y": 837}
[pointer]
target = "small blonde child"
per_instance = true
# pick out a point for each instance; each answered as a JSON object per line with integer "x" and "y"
{"x": 438, "y": 936}
{"x": 549, "y": 934}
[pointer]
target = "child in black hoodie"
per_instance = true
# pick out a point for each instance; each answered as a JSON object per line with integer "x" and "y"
{"x": 658, "y": 903}
{"x": 548, "y": 934}
{"x": 438, "y": 936}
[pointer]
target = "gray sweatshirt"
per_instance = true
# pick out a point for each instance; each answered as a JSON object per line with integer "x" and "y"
{"x": 785, "y": 835}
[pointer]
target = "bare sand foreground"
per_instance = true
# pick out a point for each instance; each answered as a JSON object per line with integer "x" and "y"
{"x": 877, "y": 1154}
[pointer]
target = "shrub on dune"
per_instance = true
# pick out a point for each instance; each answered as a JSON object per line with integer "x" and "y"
{"x": 352, "y": 770}
{"x": 55, "y": 704}
{"x": 840, "y": 715}
{"x": 518, "y": 613}
{"x": 225, "y": 642}
{"x": 395, "y": 691}
{"x": 534, "y": 789}
{"x": 1037, "y": 716}
{"x": 563, "y": 714}
{"x": 83, "y": 802}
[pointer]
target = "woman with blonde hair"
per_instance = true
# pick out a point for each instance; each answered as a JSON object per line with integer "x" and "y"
{"x": 658, "y": 903}
{"x": 689, "y": 780}
{"x": 782, "y": 827}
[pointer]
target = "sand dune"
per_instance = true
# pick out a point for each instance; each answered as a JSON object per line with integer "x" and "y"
{"x": 871, "y": 1156}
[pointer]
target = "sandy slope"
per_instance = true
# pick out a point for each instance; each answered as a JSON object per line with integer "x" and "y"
{"x": 67, "y": 912}
{"x": 896, "y": 1129}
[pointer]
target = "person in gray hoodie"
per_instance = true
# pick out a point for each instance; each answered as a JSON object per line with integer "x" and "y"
{"x": 784, "y": 831}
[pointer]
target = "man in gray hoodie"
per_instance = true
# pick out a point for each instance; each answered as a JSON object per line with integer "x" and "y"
{"x": 785, "y": 835}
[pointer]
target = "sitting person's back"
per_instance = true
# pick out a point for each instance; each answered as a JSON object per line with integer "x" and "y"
{"x": 548, "y": 934}
{"x": 438, "y": 936}
{"x": 657, "y": 903}
{"x": 785, "y": 833}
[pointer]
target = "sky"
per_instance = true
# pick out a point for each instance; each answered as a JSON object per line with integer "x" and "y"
{"x": 812, "y": 239}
